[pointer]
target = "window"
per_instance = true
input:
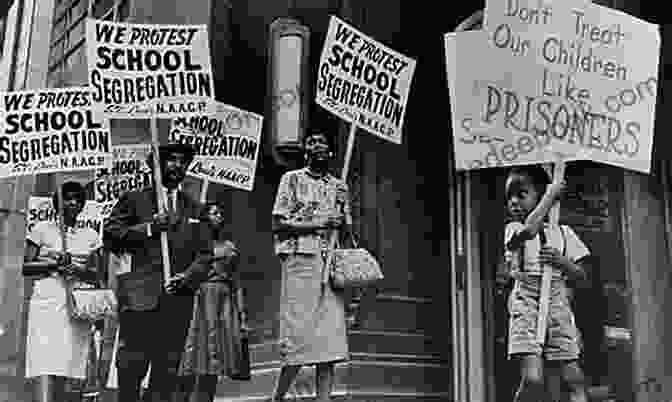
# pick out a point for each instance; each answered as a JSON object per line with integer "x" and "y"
{"x": 67, "y": 59}
{"x": 3, "y": 28}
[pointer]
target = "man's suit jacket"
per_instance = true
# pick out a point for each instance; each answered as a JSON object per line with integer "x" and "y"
{"x": 125, "y": 231}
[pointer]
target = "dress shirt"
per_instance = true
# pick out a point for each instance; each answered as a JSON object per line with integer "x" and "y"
{"x": 171, "y": 204}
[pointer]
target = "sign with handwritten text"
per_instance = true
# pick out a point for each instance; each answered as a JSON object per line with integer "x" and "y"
{"x": 227, "y": 145}
{"x": 527, "y": 111}
{"x": 581, "y": 74}
{"x": 363, "y": 80}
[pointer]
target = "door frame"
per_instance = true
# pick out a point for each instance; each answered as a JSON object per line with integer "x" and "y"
{"x": 469, "y": 365}
{"x": 468, "y": 323}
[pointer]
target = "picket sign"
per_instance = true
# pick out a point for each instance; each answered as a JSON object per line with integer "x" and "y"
{"x": 161, "y": 197}
{"x": 61, "y": 215}
{"x": 545, "y": 294}
{"x": 204, "y": 190}
{"x": 344, "y": 176}
{"x": 113, "y": 376}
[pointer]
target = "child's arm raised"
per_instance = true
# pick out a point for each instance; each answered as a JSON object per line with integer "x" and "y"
{"x": 535, "y": 219}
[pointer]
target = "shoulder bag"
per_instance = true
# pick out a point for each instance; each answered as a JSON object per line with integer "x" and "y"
{"x": 92, "y": 302}
{"x": 353, "y": 267}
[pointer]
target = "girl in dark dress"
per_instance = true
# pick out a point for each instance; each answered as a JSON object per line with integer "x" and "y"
{"x": 212, "y": 347}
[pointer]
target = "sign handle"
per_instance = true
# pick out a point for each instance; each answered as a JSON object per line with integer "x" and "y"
{"x": 204, "y": 190}
{"x": 348, "y": 151}
{"x": 344, "y": 176}
{"x": 60, "y": 207}
{"x": 161, "y": 199}
{"x": 545, "y": 293}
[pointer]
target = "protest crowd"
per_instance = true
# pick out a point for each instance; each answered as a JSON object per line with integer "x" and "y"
{"x": 130, "y": 252}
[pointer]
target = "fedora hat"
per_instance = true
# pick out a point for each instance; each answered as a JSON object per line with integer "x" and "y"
{"x": 188, "y": 150}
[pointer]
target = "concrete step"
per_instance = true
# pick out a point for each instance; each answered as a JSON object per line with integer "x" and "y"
{"x": 13, "y": 389}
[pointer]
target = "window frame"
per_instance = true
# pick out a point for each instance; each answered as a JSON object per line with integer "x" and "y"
{"x": 3, "y": 35}
{"x": 63, "y": 13}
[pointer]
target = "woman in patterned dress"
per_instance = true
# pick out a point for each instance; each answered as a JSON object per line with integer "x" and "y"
{"x": 213, "y": 342}
{"x": 310, "y": 204}
{"x": 57, "y": 346}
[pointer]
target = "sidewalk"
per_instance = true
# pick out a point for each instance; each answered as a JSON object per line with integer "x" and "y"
{"x": 14, "y": 389}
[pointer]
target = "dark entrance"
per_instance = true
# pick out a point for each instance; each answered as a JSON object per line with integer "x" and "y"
{"x": 592, "y": 207}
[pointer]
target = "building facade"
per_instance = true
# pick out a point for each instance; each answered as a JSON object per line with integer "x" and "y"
{"x": 434, "y": 331}
{"x": 23, "y": 65}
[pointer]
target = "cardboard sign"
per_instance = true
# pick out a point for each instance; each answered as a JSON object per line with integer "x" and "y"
{"x": 129, "y": 172}
{"x": 503, "y": 117}
{"x": 139, "y": 71}
{"x": 41, "y": 209}
{"x": 227, "y": 145}
{"x": 365, "y": 81}
{"x": 51, "y": 130}
{"x": 580, "y": 76}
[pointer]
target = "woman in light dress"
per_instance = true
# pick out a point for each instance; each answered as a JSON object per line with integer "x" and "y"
{"x": 309, "y": 206}
{"x": 57, "y": 345}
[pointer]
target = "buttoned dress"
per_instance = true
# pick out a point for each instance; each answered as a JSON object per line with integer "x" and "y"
{"x": 56, "y": 344}
{"x": 312, "y": 316}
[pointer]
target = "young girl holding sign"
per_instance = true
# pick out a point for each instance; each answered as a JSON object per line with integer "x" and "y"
{"x": 530, "y": 244}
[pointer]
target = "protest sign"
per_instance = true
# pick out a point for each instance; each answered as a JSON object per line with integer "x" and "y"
{"x": 364, "y": 81}
{"x": 502, "y": 117}
{"x": 129, "y": 171}
{"x": 477, "y": 142}
{"x": 575, "y": 76}
{"x": 51, "y": 130}
{"x": 41, "y": 209}
{"x": 227, "y": 145}
{"x": 139, "y": 71}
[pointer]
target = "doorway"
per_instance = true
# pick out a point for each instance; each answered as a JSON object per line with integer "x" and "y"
{"x": 592, "y": 207}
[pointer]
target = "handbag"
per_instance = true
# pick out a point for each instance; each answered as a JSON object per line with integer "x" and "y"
{"x": 354, "y": 268}
{"x": 91, "y": 304}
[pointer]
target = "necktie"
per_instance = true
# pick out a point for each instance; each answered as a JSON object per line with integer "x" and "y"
{"x": 170, "y": 201}
{"x": 173, "y": 200}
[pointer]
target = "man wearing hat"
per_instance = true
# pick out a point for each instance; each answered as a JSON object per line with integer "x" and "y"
{"x": 154, "y": 317}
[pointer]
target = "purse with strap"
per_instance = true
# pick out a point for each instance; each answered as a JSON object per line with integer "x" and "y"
{"x": 353, "y": 267}
{"x": 241, "y": 369}
{"x": 92, "y": 304}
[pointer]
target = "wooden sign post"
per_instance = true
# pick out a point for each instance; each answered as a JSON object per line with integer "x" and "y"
{"x": 545, "y": 293}
{"x": 161, "y": 199}
{"x": 204, "y": 190}
{"x": 344, "y": 176}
